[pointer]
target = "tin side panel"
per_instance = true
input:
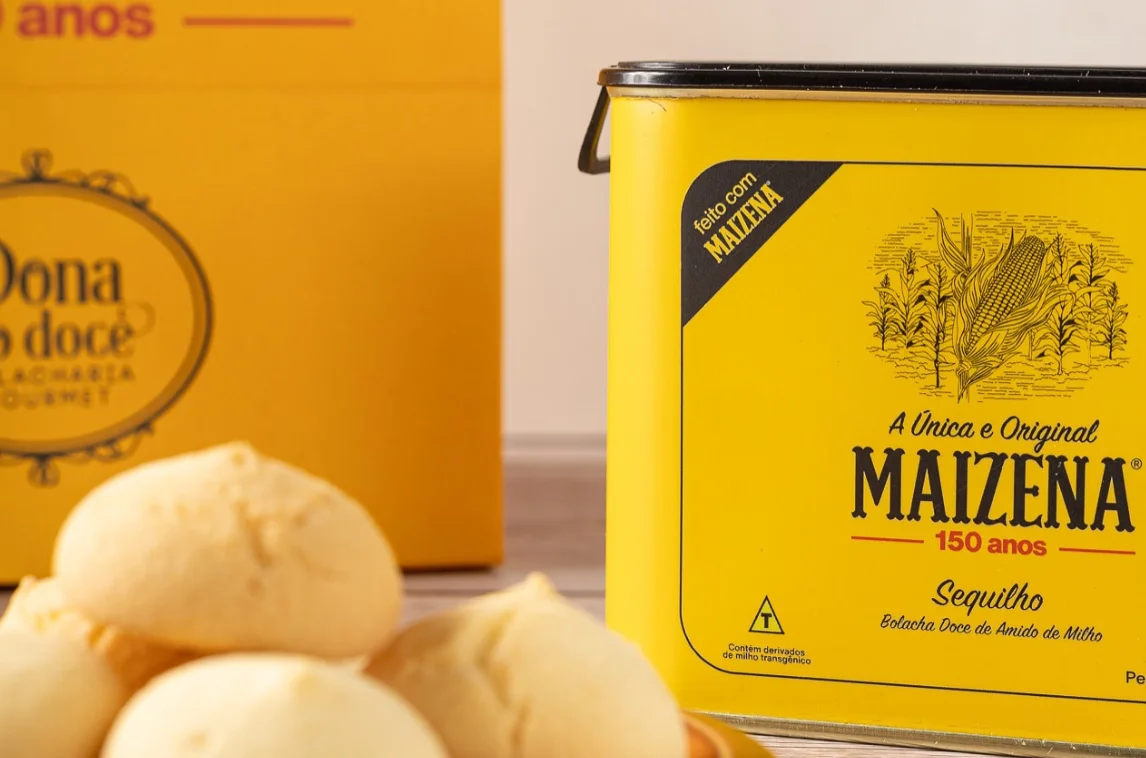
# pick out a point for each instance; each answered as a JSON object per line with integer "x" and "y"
{"x": 909, "y": 462}
{"x": 644, "y": 395}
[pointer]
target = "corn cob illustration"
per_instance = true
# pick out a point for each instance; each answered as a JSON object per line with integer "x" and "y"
{"x": 1010, "y": 285}
{"x": 1002, "y": 301}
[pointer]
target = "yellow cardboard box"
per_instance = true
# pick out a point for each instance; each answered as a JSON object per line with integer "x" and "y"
{"x": 275, "y": 221}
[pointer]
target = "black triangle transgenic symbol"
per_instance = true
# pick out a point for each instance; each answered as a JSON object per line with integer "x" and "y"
{"x": 766, "y": 620}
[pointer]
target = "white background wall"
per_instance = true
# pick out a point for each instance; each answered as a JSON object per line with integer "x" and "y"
{"x": 556, "y": 220}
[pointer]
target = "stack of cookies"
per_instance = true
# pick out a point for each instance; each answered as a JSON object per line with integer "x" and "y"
{"x": 223, "y": 604}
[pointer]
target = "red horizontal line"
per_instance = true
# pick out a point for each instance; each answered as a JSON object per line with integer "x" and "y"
{"x": 1091, "y": 550}
{"x": 888, "y": 539}
{"x": 266, "y": 21}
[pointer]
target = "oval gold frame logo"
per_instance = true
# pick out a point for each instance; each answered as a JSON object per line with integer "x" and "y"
{"x": 113, "y": 192}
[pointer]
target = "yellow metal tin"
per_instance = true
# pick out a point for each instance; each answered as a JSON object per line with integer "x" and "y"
{"x": 874, "y": 429}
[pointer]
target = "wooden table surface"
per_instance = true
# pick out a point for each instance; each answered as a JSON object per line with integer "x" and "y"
{"x": 555, "y": 522}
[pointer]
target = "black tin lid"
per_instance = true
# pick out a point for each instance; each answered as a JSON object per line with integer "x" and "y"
{"x": 985, "y": 80}
{"x": 1033, "y": 81}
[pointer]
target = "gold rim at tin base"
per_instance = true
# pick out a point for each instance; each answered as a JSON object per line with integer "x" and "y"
{"x": 912, "y": 738}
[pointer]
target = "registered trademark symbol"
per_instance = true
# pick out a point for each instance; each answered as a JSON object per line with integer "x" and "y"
{"x": 1136, "y": 464}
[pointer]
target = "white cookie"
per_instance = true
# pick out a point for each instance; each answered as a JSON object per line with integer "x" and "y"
{"x": 224, "y": 550}
{"x": 57, "y": 698}
{"x": 523, "y": 672}
{"x": 268, "y": 705}
{"x": 39, "y": 607}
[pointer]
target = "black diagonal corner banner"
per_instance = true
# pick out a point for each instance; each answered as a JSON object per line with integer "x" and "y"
{"x": 730, "y": 211}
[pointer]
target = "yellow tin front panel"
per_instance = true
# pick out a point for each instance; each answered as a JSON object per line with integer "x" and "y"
{"x": 874, "y": 430}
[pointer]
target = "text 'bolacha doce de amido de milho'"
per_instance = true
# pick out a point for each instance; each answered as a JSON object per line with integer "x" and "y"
{"x": 1014, "y": 598}
{"x": 992, "y": 488}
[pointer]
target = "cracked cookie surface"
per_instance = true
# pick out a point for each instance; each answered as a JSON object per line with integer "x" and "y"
{"x": 523, "y": 673}
{"x": 226, "y": 549}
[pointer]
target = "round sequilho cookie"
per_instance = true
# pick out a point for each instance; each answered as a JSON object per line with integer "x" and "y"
{"x": 244, "y": 705}
{"x": 39, "y": 607}
{"x": 57, "y": 698}
{"x": 525, "y": 672}
{"x": 226, "y": 549}
{"x": 709, "y": 738}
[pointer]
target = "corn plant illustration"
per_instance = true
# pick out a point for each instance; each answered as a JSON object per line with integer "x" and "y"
{"x": 957, "y": 257}
{"x": 1060, "y": 338}
{"x": 1111, "y": 322}
{"x": 937, "y": 300}
{"x": 907, "y": 304}
{"x": 883, "y": 312}
{"x": 1060, "y": 262}
{"x": 1003, "y": 299}
{"x": 1087, "y": 283}
{"x": 1061, "y": 335}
